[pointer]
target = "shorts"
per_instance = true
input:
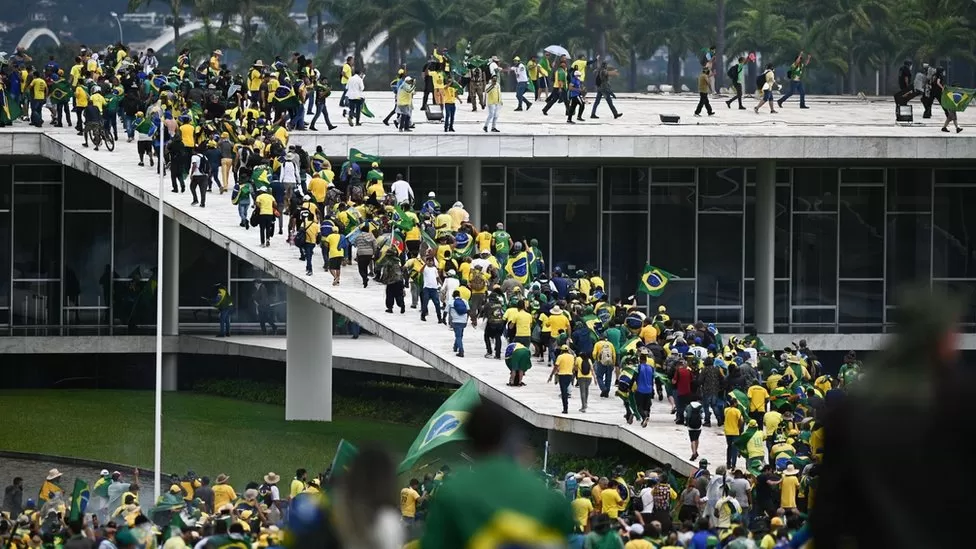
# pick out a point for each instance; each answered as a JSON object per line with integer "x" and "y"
{"x": 335, "y": 263}
{"x": 144, "y": 147}
{"x": 545, "y": 338}
{"x": 693, "y": 434}
{"x": 767, "y": 95}
{"x": 413, "y": 247}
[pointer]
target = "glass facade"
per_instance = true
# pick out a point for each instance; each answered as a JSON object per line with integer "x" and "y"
{"x": 78, "y": 257}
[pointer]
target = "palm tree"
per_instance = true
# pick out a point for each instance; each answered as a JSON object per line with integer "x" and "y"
{"x": 759, "y": 27}
{"x": 676, "y": 24}
{"x": 175, "y": 9}
{"x": 632, "y": 41}
{"x": 275, "y": 39}
{"x": 508, "y": 28}
{"x": 314, "y": 11}
{"x": 846, "y": 22}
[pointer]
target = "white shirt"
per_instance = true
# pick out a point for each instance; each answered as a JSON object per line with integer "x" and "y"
{"x": 196, "y": 161}
{"x": 700, "y": 352}
{"x": 386, "y": 532}
{"x": 289, "y": 172}
{"x": 521, "y": 75}
{"x": 484, "y": 264}
{"x": 403, "y": 191}
{"x": 355, "y": 87}
{"x": 492, "y": 69}
{"x": 430, "y": 277}
{"x": 447, "y": 288}
{"x": 647, "y": 498}
{"x": 149, "y": 64}
{"x": 275, "y": 493}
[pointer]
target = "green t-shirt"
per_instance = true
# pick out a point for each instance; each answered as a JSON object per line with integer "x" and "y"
{"x": 485, "y": 501}
{"x": 607, "y": 540}
{"x": 502, "y": 241}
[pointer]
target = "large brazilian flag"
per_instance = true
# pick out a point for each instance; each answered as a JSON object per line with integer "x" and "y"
{"x": 653, "y": 281}
{"x": 955, "y": 99}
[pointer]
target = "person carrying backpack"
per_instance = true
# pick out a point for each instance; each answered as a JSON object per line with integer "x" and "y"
{"x": 735, "y": 72}
{"x": 458, "y": 315}
{"x": 584, "y": 376}
{"x": 693, "y": 419}
{"x": 478, "y": 284}
{"x": 644, "y": 395}
{"x": 495, "y": 323}
{"x": 605, "y": 357}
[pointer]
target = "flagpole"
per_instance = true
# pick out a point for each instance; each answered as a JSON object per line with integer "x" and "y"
{"x": 158, "y": 409}
{"x": 545, "y": 458}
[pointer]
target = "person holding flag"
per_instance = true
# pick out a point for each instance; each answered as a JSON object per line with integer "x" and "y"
{"x": 99, "y": 495}
{"x": 51, "y": 489}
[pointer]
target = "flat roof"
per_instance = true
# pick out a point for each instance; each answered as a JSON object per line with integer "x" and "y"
{"x": 833, "y": 128}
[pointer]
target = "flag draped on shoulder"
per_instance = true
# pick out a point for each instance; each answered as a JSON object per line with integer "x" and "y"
{"x": 60, "y": 92}
{"x": 653, "y": 280}
{"x": 79, "y": 499}
{"x": 955, "y": 99}
{"x": 400, "y": 219}
{"x": 445, "y": 426}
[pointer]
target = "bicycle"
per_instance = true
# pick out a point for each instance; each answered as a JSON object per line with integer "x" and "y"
{"x": 97, "y": 134}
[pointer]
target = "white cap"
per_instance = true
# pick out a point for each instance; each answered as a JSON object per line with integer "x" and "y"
{"x": 458, "y": 204}
{"x": 451, "y": 272}
{"x": 104, "y": 473}
{"x": 636, "y": 529}
{"x": 430, "y": 194}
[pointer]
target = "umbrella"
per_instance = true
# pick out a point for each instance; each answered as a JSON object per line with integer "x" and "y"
{"x": 557, "y": 50}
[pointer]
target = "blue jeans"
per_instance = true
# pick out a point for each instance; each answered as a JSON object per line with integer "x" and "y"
{"x": 716, "y": 403}
{"x": 427, "y": 295}
{"x": 520, "y": 89}
{"x": 320, "y": 110}
{"x": 37, "y": 111}
{"x": 459, "y": 336}
{"x": 309, "y": 254}
{"x": 449, "y": 110}
{"x": 731, "y": 452}
{"x": 298, "y": 118}
{"x": 796, "y": 86}
{"x": 224, "y": 322}
{"x": 130, "y": 126}
{"x": 310, "y": 102}
{"x": 111, "y": 123}
{"x": 343, "y": 101}
{"x": 600, "y": 94}
{"x": 242, "y": 207}
{"x": 604, "y": 377}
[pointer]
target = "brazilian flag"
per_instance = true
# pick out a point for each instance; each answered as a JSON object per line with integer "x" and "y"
{"x": 517, "y": 267}
{"x": 259, "y": 177}
{"x": 741, "y": 401}
{"x": 10, "y": 110}
{"x": 366, "y": 112}
{"x": 445, "y": 426}
{"x": 463, "y": 245}
{"x": 374, "y": 175}
{"x": 653, "y": 281}
{"x": 79, "y": 499}
{"x": 60, "y": 92}
{"x": 400, "y": 219}
{"x": 356, "y": 155}
{"x": 955, "y": 99}
{"x": 345, "y": 454}
{"x": 285, "y": 97}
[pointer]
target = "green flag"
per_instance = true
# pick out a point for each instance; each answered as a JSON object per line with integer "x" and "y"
{"x": 144, "y": 127}
{"x": 345, "y": 453}
{"x": 366, "y": 112}
{"x": 742, "y": 401}
{"x": 955, "y": 99}
{"x": 79, "y": 499}
{"x": 60, "y": 92}
{"x": 742, "y": 442}
{"x": 356, "y": 155}
{"x": 653, "y": 281}
{"x": 400, "y": 219}
{"x": 11, "y": 109}
{"x": 444, "y": 426}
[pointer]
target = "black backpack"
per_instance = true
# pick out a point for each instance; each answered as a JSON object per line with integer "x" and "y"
{"x": 695, "y": 418}
{"x": 733, "y": 73}
{"x": 760, "y": 81}
{"x": 585, "y": 367}
{"x": 496, "y": 316}
{"x": 204, "y": 167}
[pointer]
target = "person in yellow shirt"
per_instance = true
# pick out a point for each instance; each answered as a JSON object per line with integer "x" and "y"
{"x": 584, "y": 377}
{"x": 442, "y": 225}
{"x": 310, "y": 226}
{"x": 582, "y": 509}
{"x": 75, "y": 72}
{"x": 318, "y": 187}
{"x": 564, "y": 367}
{"x": 375, "y": 193}
{"x": 755, "y": 447}
{"x": 611, "y": 500}
{"x": 483, "y": 240}
{"x": 223, "y": 493}
{"x": 187, "y": 133}
{"x": 336, "y": 254}
{"x": 450, "y": 104}
{"x": 757, "y": 401}
{"x": 788, "y": 488}
{"x": 409, "y": 497}
{"x": 522, "y": 320}
{"x": 558, "y": 321}
{"x": 266, "y": 205}
{"x": 81, "y": 103}
{"x": 38, "y": 94}
{"x": 580, "y": 65}
{"x": 648, "y": 332}
{"x": 344, "y": 76}
{"x": 297, "y": 483}
{"x": 732, "y": 428}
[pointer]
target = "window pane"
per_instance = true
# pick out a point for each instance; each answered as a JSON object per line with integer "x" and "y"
{"x": 720, "y": 189}
{"x": 673, "y": 229}
{"x": 524, "y": 226}
{"x": 240, "y": 269}
{"x": 862, "y": 232}
{"x": 814, "y": 259}
{"x": 492, "y": 174}
{"x": 570, "y": 176}
{"x": 246, "y": 311}
{"x": 528, "y": 189}
{"x": 679, "y": 296}
{"x": 440, "y": 179}
{"x": 783, "y": 176}
{"x": 853, "y": 176}
{"x": 954, "y": 237}
{"x": 719, "y": 259}
{"x": 39, "y": 173}
{"x": 76, "y": 321}
{"x": 625, "y": 245}
{"x": 5, "y": 259}
{"x": 85, "y": 192}
{"x": 672, "y": 175}
{"x": 942, "y": 177}
{"x": 625, "y": 189}
{"x": 725, "y": 320}
{"x": 576, "y": 212}
{"x": 781, "y": 245}
{"x": 6, "y": 184}
{"x": 134, "y": 304}
{"x": 37, "y": 231}
{"x": 202, "y": 264}
{"x": 814, "y": 189}
{"x": 492, "y": 205}
{"x": 35, "y": 303}
{"x": 861, "y": 302}
{"x": 908, "y": 243}
{"x": 87, "y": 258}
{"x": 781, "y": 303}
{"x": 909, "y": 189}
{"x": 968, "y": 316}
{"x": 813, "y": 316}
{"x": 135, "y": 237}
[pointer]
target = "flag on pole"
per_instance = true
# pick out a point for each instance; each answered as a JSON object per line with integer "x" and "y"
{"x": 79, "y": 499}
{"x": 356, "y": 155}
{"x": 955, "y": 99}
{"x": 60, "y": 92}
{"x": 444, "y": 426}
{"x": 653, "y": 281}
{"x": 400, "y": 219}
{"x": 345, "y": 453}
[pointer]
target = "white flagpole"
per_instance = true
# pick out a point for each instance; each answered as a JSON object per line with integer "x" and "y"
{"x": 158, "y": 410}
{"x": 545, "y": 456}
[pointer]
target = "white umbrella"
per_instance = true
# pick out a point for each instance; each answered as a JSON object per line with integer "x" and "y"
{"x": 559, "y": 50}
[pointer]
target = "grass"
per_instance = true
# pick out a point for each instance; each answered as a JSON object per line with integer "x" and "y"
{"x": 206, "y": 434}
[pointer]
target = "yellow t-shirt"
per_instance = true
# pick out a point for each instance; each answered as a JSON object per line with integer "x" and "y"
{"x": 408, "y": 502}
{"x": 186, "y": 134}
{"x": 579, "y": 369}
{"x": 297, "y": 487}
{"x": 75, "y": 74}
{"x": 523, "y": 324}
{"x": 254, "y": 80}
{"x": 81, "y": 97}
{"x": 733, "y": 417}
{"x": 756, "y": 447}
{"x": 450, "y": 95}
{"x": 787, "y": 491}
{"x": 223, "y": 494}
{"x": 611, "y": 502}
{"x": 465, "y": 293}
{"x": 580, "y": 65}
{"x": 565, "y": 364}
{"x": 318, "y": 187}
{"x": 438, "y": 79}
{"x": 38, "y": 89}
{"x": 757, "y": 398}
{"x": 97, "y": 100}
{"x": 483, "y": 240}
{"x": 558, "y": 323}
{"x": 772, "y": 381}
{"x": 333, "y": 241}
{"x": 264, "y": 203}
{"x": 771, "y": 422}
{"x": 312, "y": 230}
{"x": 443, "y": 223}
{"x": 639, "y": 544}
{"x": 648, "y": 334}
{"x": 582, "y": 507}
{"x": 377, "y": 190}
{"x": 768, "y": 542}
{"x": 464, "y": 269}
{"x": 346, "y": 73}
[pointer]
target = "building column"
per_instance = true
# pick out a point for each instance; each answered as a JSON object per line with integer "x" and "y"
{"x": 308, "y": 360}
{"x": 765, "y": 245}
{"x": 171, "y": 298}
{"x": 471, "y": 189}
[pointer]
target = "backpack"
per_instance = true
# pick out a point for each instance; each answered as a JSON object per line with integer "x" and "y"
{"x": 637, "y": 503}
{"x": 585, "y": 367}
{"x": 477, "y": 282}
{"x": 496, "y": 316}
{"x": 760, "y": 81}
{"x": 460, "y": 307}
{"x": 703, "y": 59}
{"x": 204, "y": 165}
{"x": 264, "y": 494}
{"x": 789, "y": 72}
{"x": 606, "y": 355}
{"x": 733, "y": 73}
{"x": 695, "y": 418}
{"x": 300, "y": 236}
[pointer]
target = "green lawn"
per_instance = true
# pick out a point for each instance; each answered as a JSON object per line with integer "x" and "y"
{"x": 206, "y": 434}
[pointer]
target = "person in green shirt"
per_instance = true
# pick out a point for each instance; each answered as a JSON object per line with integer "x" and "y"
{"x": 495, "y": 502}
{"x": 502, "y": 242}
{"x": 559, "y": 87}
{"x": 795, "y": 74}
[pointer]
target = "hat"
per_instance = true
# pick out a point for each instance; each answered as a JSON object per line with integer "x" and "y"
{"x": 221, "y": 478}
{"x": 494, "y": 58}
{"x": 636, "y": 530}
{"x": 218, "y": 52}
{"x": 458, "y": 204}
{"x": 576, "y": 73}
{"x": 408, "y": 79}
{"x": 53, "y": 474}
{"x": 586, "y": 483}
{"x": 175, "y": 488}
{"x": 790, "y": 470}
{"x": 556, "y": 310}
{"x": 752, "y": 423}
{"x": 703, "y": 462}
{"x": 777, "y": 521}
{"x": 258, "y": 63}
{"x": 315, "y": 481}
{"x": 451, "y": 272}
{"x": 431, "y": 194}
{"x": 272, "y": 478}
{"x": 104, "y": 473}
{"x": 517, "y": 59}
{"x": 564, "y": 347}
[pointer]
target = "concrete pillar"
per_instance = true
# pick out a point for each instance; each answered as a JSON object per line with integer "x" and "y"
{"x": 561, "y": 442}
{"x": 171, "y": 298}
{"x": 308, "y": 360}
{"x": 471, "y": 189}
{"x": 765, "y": 244}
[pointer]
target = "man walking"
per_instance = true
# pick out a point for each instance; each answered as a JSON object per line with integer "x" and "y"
{"x": 603, "y": 90}
{"x": 223, "y": 302}
{"x": 703, "y": 89}
{"x": 645, "y": 387}
{"x": 354, "y": 93}
{"x": 795, "y": 74}
{"x": 521, "y": 84}
{"x": 737, "y": 75}
{"x": 768, "y": 79}
{"x": 429, "y": 291}
{"x": 494, "y": 94}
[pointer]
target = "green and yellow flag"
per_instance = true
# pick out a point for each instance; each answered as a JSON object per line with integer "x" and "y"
{"x": 955, "y": 99}
{"x": 400, "y": 219}
{"x": 653, "y": 281}
{"x": 345, "y": 454}
{"x": 356, "y": 155}
{"x": 60, "y": 92}
{"x": 79, "y": 499}
{"x": 445, "y": 426}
